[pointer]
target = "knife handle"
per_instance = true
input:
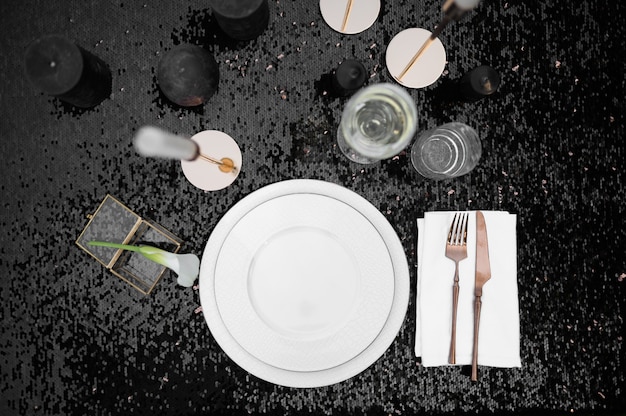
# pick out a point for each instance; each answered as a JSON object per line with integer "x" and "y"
{"x": 477, "y": 305}
{"x": 455, "y": 303}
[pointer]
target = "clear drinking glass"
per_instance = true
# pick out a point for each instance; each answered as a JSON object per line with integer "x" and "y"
{"x": 447, "y": 151}
{"x": 377, "y": 123}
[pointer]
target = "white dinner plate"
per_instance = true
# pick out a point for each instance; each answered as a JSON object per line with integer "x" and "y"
{"x": 304, "y": 283}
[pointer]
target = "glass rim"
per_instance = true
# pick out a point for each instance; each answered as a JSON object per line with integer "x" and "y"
{"x": 407, "y": 104}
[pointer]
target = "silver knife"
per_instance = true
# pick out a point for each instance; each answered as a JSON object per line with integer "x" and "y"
{"x": 483, "y": 274}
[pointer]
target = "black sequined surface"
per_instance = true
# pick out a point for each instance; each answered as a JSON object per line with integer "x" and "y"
{"x": 75, "y": 340}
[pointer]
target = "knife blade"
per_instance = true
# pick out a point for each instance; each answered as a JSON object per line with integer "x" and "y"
{"x": 483, "y": 274}
{"x": 483, "y": 268}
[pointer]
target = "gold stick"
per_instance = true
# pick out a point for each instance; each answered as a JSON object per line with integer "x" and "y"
{"x": 346, "y": 15}
{"x": 424, "y": 47}
{"x": 225, "y": 164}
{"x": 417, "y": 56}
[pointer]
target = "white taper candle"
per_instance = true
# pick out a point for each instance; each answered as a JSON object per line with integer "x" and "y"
{"x": 152, "y": 141}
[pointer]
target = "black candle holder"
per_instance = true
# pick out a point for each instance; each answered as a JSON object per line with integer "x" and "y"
{"x": 188, "y": 75}
{"x": 58, "y": 67}
{"x": 478, "y": 83}
{"x": 349, "y": 76}
{"x": 241, "y": 19}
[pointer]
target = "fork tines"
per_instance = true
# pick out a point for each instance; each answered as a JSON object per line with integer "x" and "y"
{"x": 458, "y": 229}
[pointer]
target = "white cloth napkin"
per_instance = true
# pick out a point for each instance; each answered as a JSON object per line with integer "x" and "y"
{"x": 498, "y": 341}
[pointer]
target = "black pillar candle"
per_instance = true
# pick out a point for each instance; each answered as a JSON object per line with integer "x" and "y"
{"x": 241, "y": 19}
{"x": 188, "y": 75}
{"x": 479, "y": 83}
{"x": 59, "y": 67}
{"x": 349, "y": 76}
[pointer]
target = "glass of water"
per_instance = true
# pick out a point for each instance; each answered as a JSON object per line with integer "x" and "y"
{"x": 447, "y": 151}
{"x": 377, "y": 123}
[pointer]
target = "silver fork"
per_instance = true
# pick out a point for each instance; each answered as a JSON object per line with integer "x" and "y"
{"x": 456, "y": 250}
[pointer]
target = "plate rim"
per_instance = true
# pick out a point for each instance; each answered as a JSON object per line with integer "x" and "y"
{"x": 342, "y": 372}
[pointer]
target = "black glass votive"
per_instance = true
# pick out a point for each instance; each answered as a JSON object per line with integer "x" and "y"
{"x": 349, "y": 76}
{"x": 479, "y": 83}
{"x": 241, "y": 19}
{"x": 59, "y": 67}
{"x": 188, "y": 75}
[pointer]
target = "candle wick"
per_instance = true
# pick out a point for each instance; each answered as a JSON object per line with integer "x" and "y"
{"x": 486, "y": 84}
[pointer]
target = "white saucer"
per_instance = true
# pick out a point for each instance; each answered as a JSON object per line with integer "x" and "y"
{"x": 250, "y": 281}
{"x": 361, "y": 15}
{"x": 206, "y": 175}
{"x": 426, "y": 70}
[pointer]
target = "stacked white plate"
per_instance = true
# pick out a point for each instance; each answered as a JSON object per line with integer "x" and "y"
{"x": 304, "y": 283}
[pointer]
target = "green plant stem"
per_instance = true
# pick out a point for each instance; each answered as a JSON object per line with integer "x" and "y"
{"x": 115, "y": 245}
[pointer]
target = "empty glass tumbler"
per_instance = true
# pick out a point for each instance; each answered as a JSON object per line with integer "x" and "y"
{"x": 377, "y": 123}
{"x": 447, "y": 151}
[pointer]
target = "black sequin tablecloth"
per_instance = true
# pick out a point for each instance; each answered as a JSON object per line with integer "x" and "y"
{"x": 75, "y": 340}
